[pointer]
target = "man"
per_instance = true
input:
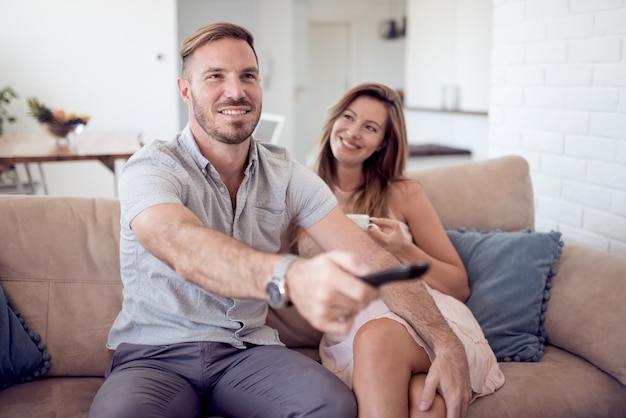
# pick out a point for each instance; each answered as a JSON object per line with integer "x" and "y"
{"x": 202, "y": 218}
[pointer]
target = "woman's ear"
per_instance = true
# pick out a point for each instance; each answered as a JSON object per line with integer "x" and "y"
{"x": 382, "y": 145}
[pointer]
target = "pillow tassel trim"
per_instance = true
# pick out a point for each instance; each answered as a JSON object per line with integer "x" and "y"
{"x": 45, "y": 364}
{"x": 542, "y": 334}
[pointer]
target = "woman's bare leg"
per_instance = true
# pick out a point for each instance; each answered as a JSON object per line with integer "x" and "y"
{"x": 416, "y": 388}
{"x": 385, "y": 359}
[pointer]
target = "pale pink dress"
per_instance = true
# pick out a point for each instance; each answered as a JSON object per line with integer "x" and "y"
{"x": 485, "y": 374}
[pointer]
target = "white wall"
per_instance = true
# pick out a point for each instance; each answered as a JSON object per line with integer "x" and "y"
{"x": 118, "y": 61}
{"x": 92, "y": 57}
{"x": 277, "y": 43}
{"x": 447, "y": 73}
{"x": 558, "y": 92}
{"x": 374, "y": 58}
{"x": 559, "y": 100}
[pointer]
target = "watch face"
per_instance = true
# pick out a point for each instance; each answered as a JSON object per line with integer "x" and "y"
{"x": 274, "y": 295}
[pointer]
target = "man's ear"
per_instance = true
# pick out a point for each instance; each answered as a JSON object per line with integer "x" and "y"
{"x": 183, "y": 89}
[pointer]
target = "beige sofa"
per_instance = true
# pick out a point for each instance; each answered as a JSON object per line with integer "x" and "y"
{"x": 59, "y": 267}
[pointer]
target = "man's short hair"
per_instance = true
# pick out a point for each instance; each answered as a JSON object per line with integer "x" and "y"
{"x": 209, "y": 33}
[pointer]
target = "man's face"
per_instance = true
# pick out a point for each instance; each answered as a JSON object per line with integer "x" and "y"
{"x": 224, "y": 90}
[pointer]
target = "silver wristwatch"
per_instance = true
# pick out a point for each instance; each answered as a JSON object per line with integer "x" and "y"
{"x": 276, "y": 292}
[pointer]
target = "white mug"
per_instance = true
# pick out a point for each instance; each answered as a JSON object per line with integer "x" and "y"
{"x": 361, "y": 219}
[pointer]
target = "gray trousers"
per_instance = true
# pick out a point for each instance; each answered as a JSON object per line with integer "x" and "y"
{"x": 196, "y": 379}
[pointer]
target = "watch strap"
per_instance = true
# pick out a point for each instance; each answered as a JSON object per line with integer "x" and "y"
{"x": 280, "y": 271}
{"x": 277, "y": 294}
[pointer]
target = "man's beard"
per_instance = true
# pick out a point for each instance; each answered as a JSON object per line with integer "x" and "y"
{"x": 235, "y": 133}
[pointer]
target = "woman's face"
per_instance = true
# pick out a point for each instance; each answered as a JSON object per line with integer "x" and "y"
{"x": 359, "y": 131}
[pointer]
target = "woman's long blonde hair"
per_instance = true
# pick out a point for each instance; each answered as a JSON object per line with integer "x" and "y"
{"x": 382, "y": 167}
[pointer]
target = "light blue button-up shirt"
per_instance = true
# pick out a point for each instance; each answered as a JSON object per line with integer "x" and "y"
{"x": 162, "y": 308}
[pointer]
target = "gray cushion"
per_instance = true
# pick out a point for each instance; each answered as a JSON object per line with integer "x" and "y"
{"x": 21, "y": 354}
{"x": 509, "y": 282}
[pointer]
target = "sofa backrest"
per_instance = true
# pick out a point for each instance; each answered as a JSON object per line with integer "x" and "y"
{"x": 59, "y": 256}
{"x": 482, "y": 195}
{"x": 485, "y": 195}
{"x": 59, "y": 266}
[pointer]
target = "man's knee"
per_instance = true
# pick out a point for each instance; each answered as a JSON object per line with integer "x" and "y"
{"x": 143, "y": 393}
{"x": 333, "y": 399}
{"x": 339, "y": 403}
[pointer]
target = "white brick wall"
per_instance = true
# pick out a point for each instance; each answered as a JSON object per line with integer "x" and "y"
{"x": 559, "y": 100}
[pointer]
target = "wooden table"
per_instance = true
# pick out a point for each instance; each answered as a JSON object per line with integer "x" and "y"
{"x": 39, "y": 147}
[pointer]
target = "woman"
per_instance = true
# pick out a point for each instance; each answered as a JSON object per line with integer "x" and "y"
{"x": 362, "y": 155}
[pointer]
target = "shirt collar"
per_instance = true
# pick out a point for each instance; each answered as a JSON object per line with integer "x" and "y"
{"x": 189, "y": 142}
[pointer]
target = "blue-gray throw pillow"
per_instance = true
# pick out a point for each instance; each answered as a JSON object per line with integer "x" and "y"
{"x": 509, "y": 278}
{"x": 22, "y": 354}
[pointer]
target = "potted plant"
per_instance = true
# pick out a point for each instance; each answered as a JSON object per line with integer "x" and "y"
{"x": 6, "y": 95}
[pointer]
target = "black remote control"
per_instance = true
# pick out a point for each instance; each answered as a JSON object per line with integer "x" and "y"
{"x": 402, "y": 272}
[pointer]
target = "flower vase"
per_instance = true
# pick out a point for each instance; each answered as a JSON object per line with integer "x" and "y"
{"x": 63, "y": 133}
{"x": 63, "y": 141}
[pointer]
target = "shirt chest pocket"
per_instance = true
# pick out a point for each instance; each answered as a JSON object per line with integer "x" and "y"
{"x": 266, "y": 226}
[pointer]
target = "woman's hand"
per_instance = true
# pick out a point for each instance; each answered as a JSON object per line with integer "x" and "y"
{"x": 388, "y": 234}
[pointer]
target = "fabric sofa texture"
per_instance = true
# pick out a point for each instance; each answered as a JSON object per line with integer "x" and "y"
{"x": 59, "y": 266}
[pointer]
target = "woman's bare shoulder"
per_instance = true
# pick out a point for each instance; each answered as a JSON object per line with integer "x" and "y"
{"x": 404, "y": 197}
{"x": 405, "y": 187}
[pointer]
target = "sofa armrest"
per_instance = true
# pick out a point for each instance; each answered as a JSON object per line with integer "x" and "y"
{"x": 59, "y": 266}
{"x": 586, "y": 313}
